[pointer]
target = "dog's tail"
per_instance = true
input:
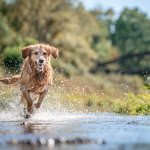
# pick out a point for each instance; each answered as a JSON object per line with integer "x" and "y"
{"x": 12, "y": 80}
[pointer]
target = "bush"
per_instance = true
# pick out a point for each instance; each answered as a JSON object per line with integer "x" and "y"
{"x": 12, "y": 58}
{"x": 133, "y": 104}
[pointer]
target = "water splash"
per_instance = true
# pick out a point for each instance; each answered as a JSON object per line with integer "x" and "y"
{"x": 53, "y": 107}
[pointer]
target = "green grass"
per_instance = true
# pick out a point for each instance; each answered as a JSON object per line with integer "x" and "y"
{"x": 133, "y": 104}
{"x": 91, "y": 95}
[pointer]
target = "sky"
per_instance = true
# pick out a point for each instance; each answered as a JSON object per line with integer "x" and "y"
{"x": 118, "y": 5}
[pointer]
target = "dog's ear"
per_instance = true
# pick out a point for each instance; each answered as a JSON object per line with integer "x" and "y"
{"x": 52, "y": 50}
{"x": 26, "y": 51}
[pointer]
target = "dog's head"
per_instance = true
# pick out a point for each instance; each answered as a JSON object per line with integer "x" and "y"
{"x": 39, "y": 54}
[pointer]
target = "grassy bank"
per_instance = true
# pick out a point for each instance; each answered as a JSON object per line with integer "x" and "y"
{"x": 102, "y": 93}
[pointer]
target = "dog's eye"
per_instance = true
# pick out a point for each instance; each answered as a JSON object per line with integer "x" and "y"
{"x": 44, "y": 53}
{"x": 35, "y": 53}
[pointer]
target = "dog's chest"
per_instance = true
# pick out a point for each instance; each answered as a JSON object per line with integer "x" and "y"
{"x": 38, "y": 88}
{"x": 38, "y": 85}
{"x": 34, "y": 87}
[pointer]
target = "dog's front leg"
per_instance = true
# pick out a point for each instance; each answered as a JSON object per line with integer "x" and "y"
{"x": 28, "y": 99}
{"x": 41, "y": 97}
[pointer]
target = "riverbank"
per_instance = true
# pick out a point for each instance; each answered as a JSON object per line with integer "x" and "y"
{"x": 102, "y": 93}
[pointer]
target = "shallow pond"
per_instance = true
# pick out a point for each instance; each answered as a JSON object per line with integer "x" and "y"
{"x": 118, "y": 132}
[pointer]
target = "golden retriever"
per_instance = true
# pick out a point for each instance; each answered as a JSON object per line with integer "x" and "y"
{"x": 36, "y": 74}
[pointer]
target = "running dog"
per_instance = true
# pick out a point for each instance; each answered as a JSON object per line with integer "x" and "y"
{"x": 36, "y": 74}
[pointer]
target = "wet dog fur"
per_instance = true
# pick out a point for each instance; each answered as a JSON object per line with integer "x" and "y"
{"x": 36, "y": 74}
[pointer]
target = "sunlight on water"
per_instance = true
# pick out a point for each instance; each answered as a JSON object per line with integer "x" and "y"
{"x": 42, "y": 115}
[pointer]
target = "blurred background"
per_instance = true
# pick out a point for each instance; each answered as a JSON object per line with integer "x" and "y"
{"x": 104, "y": 59}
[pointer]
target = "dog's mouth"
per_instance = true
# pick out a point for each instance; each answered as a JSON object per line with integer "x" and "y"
{"x": 40, "y": 66}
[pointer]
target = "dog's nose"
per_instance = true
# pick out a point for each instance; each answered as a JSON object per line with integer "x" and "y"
{"x": 41, "y": 60}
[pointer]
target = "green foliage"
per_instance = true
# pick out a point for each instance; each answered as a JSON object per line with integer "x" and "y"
{"x": 70, "y": 28}
{"x": 61, "y": 24}
{"x": 82, "y": 36}
{"x": 12, "y": 58}
{"x": 6, "y": 33}
{"x": 133, "y": 104}
{"x": 105, "y": 50}
{"x": 132, "y": 35}
{"x": 101, "y": 42}
{"x": 132, "y": 31}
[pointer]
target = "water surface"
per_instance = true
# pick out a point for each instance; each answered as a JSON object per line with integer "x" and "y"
{"x": 119, "y": 132}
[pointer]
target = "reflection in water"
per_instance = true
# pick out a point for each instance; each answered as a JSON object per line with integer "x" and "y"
{"x": 127, "y": 131}
{"x": 36, "y": 128}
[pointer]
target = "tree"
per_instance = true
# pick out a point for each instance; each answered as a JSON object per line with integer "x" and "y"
{"x": 60, "y": 23}
{"x": 101, "y": 42}
{"x": 6, "y": 33}
{"x": 132, "y": 36}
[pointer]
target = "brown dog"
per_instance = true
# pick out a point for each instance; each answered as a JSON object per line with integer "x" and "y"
{"x": 36, "y": 74}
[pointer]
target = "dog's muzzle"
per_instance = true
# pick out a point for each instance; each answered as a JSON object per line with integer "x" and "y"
{"x": 40, "y": 64}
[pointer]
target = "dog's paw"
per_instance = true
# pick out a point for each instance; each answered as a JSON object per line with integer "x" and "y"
{"x": 30, "y": 109}
{"x": 27, "y": 116}
{"x": 37, "y": 105}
